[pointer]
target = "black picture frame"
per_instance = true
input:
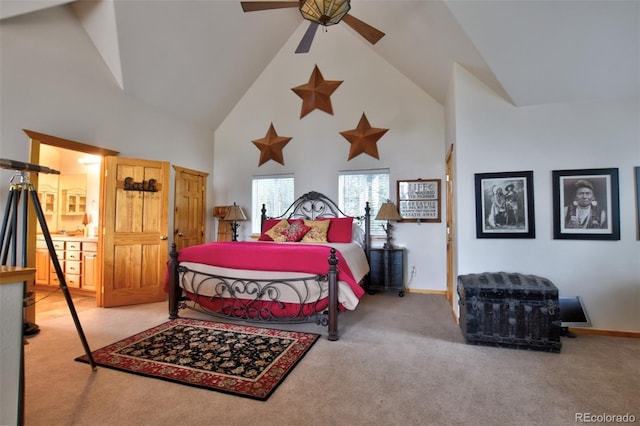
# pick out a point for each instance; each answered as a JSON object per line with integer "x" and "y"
{"x": 637, "y": 175}
{"x": 600, "y": 205}
{"x": 419, "y": 200}
{"x": 504, "y": 205}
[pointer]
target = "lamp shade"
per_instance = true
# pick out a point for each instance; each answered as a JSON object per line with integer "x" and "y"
{"x": 388, "y": 211}
{"x": 324, "y": 12}
{"x": 235, "y": 213}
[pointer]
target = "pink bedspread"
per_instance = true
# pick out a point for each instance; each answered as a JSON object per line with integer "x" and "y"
{"x": 268, "y": 256}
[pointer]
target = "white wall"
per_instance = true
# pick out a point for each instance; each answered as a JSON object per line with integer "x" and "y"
{"x": 54, "y": 81}
{"x": 412, "y": 148}
{"x": 494, "y": 136}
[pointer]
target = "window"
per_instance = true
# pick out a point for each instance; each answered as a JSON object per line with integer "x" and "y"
{"x": 275, "y": 192}
{"x": 358, "y": 187}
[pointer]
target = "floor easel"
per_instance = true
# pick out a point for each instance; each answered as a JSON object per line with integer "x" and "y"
{"x": 21, "y": 187}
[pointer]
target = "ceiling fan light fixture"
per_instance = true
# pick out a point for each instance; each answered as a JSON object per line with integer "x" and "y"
{"x": 324, "y": 12}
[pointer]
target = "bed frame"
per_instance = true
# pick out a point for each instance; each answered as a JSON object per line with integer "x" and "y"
{"x": 311, "y": 206}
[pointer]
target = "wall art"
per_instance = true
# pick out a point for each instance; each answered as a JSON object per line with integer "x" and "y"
{"x": 586, "y": 204}
{"x": 419, "y": 200}
{"x": 504, "y": 205}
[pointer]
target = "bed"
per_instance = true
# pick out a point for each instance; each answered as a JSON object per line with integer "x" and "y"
{"x": 309, "y": 264}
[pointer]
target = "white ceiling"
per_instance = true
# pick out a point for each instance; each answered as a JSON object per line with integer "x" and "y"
{"x": 197, "y": 58}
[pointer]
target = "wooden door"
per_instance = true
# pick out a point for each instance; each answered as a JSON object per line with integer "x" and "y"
{"x": 190, "y": 205}
{"x": 451, "y": 254}
{"x": 135, "y": 235}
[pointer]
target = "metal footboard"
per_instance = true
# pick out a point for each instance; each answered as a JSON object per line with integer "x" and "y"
{"x": 264, "y": 295}
{"x": 255, "y": 300}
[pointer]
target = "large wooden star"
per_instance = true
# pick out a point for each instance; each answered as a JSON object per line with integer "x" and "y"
{"x": 316, "y": 93}
{"x": 271, "y": 146}
{"x": 363, "y": 139}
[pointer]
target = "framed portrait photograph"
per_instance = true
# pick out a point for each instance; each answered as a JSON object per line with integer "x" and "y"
{"x": 636, "y": 171}
{"x": 504, "y": 205}
{"x": 419, "y": 200}
{"x": 586, "y": 204}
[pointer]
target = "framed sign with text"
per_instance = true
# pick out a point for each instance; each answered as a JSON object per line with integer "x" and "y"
{"x": 419, "y": 200}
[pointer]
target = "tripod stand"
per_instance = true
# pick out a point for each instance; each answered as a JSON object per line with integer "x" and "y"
{"x": 20, "y": 186}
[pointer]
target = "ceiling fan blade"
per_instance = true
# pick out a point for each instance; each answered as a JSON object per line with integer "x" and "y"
{"x": 371, "y": 34}
{"x": 254, "y": 6}
{"x": 307, "y": 38}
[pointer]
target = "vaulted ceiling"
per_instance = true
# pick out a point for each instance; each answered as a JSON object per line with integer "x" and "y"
{"x": 196, "y": 58}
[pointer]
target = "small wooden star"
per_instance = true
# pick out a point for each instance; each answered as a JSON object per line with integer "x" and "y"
{"x": 316, "y": 93}
{"x": 271, "y": 146}
{"x": 363, "y": 138}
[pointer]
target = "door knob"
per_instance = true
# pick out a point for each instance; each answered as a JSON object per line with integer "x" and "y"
{"x": 164, "y": 237}
{"x": 180, "y": 234}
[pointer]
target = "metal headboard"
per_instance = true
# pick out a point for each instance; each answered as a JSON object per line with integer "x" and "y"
{"x": 311, "y": 206}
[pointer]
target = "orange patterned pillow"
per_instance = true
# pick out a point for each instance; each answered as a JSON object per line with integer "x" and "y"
{"x": 318, "y": 232}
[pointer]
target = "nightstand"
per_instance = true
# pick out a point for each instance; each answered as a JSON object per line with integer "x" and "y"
{"x": 387, "y": 270}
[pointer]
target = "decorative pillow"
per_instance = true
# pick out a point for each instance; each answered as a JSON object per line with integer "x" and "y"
{"x": 340, "y": 229}
{"x": 275, "y": 232}
{"x": 318, "y": 232}
{"x": 266, "y": 226}
{"x": 357, "y": 235}
{"x": 288, "y": 231}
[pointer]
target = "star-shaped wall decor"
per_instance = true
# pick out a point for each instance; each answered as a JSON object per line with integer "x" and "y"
{"x": 271, "y": 146}
{"x": 316, "y": 93}
{"x": 363, "y": 138}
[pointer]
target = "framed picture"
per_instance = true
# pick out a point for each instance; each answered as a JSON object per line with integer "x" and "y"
{"x": 637, "y": 173}
{"x": 504, "y": 205}
{"x": 586, "y": 204}
{"x": 419, "y": 200}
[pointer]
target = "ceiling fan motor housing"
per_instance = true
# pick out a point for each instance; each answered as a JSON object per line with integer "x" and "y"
{"x": 324, "y": 12}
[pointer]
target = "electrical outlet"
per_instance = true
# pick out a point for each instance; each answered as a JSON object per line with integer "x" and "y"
{"x": 413, "y": 270}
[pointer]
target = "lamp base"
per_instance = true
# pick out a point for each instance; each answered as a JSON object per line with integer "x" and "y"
{"x": 387, "y": 244}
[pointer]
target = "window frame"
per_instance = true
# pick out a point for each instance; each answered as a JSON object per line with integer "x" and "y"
{"x": 375, "y": 200}
{"x": 256, "y": 202}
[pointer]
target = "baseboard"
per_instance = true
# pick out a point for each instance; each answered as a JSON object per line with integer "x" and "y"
{"x": 598, "y": 332}
{"x": 592, "y": 331}
{"x": 421, "y": 291}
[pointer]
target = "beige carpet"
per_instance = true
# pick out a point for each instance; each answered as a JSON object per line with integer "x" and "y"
{"x": 399, "y": 361}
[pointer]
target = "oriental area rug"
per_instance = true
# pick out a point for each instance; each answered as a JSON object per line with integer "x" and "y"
{"x": 241, "y": 360}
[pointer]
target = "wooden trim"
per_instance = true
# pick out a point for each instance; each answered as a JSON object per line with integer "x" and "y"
{"x": 190, "y": 171}
{"x": 600, "y": 332}
{"x": 69, "y": 144}
{"x": 420, "y": 291}
{"x": 15, "y": 274}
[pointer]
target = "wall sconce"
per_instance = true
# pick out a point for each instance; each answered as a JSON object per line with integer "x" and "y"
{"x": 235, "y": 215}
{"x": 388, "y": 211}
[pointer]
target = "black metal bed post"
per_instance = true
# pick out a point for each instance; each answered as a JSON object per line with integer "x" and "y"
{"x": 333, "y": 296}
{"x": 173, "y": 282}
{"x": 263, "y": 216}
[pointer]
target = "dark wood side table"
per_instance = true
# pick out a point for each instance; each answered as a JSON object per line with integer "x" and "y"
{"x": 387, "y": 270}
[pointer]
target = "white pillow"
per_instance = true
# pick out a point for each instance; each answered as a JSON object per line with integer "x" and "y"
{"x": 357, "y": 235}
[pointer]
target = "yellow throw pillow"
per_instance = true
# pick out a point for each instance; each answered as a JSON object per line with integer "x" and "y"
{"x": 278, "y": 232}
{"x": 318, "y": 232}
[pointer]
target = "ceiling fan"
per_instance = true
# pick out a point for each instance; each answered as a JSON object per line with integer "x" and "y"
{"x": 319, "y": 12}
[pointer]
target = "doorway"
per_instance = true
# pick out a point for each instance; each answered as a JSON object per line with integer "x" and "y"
{"x": 189, "y": 207}
{"x": 72, "y": 205}
{"x": 451, "y": 242}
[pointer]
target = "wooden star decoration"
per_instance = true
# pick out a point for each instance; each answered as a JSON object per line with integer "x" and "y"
{"x": 316, "y": 94}
{"x": 271, "y": 146}
{"x": 363, "y": 139}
